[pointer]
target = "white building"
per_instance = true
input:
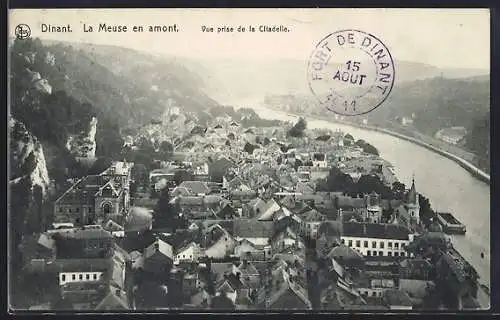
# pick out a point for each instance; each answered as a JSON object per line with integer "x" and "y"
{"x": 376, "y": 239}
{"x": 190, "y": 253}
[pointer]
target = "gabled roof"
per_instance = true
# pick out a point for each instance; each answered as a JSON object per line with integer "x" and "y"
{"x": 195, "y": 187}
{"x": 115, "y": 299}
{"x": 344, "y": 253}
{"x": 46, "y": 241}
{"x": 251, "y": 228}
{"x": 375, "y": 230}
{"x": 159, "y": 246}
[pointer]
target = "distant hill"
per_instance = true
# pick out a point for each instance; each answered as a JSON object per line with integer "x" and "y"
{"x": 436, "y": 103}
{"x": 234, "y": 81}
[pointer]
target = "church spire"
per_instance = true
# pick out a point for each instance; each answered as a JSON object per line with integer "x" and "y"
{"x": 412, "y": 194}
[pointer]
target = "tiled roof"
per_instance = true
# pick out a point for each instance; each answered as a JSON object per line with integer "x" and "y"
{"x": 195, "y": 187}
{"x": 343, "y": 252}
{"x": 161, "y": 247}
{"x": 251, "y": 228}
{"x": 46, "y": 241}
{"x": 221, "y": 268}
{"x": 375, "y": 230}
{"x": 330, "y": 228}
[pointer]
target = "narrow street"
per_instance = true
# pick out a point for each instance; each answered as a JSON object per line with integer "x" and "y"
{"x": 313, "y": 288}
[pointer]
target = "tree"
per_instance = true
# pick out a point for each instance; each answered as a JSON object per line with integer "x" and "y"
{"x": 338, "y": 181}
{"x": 222, "y": 302}
{"x": 426, "y": 212}
{"x": 166, "y": 149}
{"x": 164, "y": 213}
{"x": 266, "y": 141}
{"x": 371, "y": 183}
{"x": 298, "y": 129}
{"x": 398, "y": 190}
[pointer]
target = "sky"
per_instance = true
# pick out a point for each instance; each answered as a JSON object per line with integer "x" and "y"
{"x": 446, "y": 38}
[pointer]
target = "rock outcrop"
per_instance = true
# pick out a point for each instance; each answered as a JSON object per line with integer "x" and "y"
{"x": 83, "y": 145}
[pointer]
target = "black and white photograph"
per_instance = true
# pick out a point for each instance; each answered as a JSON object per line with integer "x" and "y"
{"x": 248, "y": 160}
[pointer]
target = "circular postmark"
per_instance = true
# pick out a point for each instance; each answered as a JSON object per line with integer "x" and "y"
{"x": 22, "y": 31}
{"x": 351, "y": 72}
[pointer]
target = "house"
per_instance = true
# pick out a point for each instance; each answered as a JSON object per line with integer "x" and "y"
{"x": 268, "y": 210}
{"x": 375, "y": 239}
{"x": 335, "y": 297}
{"x": 329, "y": 233}
{"x": 249, "y": 275}
{"x": 218, "y": 242}
{"x": 91, "y": 286}
{"x": 285, "y": 239}
{"x": 86, "y": 242}
{"x": 397, "y": 300}
{"x": 311, "y": 222}
{"x": 189, "y": 253}
{"x": 254, "y": 208}
{"x": 237, "y": 184}
{"x": 116, "y": 229}
{"x": 195, "y": 188}
{"x": 229, "y": 285}
{"x": 282, "y": 293}
{"x": 158, "y": 257}
{"x": 248, "y": 250}
{"x": 255, "y": 231}
{"x": 304, "y": 188}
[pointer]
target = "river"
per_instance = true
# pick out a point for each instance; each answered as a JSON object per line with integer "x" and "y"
{"x": 449, "y": 187}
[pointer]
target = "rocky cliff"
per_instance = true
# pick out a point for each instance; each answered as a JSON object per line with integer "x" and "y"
{"x": 83, "y": 144}
{"x": 28, "y": 181}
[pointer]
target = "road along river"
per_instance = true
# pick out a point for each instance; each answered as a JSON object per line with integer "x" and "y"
{"x": 449, "y": 187}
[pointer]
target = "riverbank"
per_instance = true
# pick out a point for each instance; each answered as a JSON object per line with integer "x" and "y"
{"x": 473, "y": 170}
{"x": 469, "y": 167}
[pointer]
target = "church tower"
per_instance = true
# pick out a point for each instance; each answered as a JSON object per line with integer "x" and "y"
{"x": 413, "y": 205}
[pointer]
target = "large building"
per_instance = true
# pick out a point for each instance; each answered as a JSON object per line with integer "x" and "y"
{"x": 376, "y": 239}
{"x": 96, "y": 198}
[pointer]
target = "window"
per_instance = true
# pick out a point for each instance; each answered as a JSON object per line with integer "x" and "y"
{"x": 183, "y": 256}
{"x": 350, "y": 243}
{"x": 374, "y": 294}
{"x": 366, "y": 244}
{"x": 374, "y": 253}
{"x": 69, "y": 210}
{"x": 396, "y": 245}
{"x": 403, "y": 254}
{"x": 63, "y": 277}
{"x": 73, "y": 277}
{"x": 77, "y": 209}
{"x": 80, "y": 277}
{"x": 95, "y": 276}
{"x": 368, "y": 253}
{"x": 374, "y": 244}
{"x": 396, "y": 254}
{"x": 60, "y": 209}
{"x": 343, "y": 241}
{"x": 87, "y": 276}
{"x": 389, "y": 253}
{"x": 389, "y": 244}
{"x": 358, "y": 243}
{"x": 381, "y": 244}
{"x": 381, "y": 253}
{"x": 90, "y": 209}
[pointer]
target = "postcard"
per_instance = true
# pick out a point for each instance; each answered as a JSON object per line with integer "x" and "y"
{"x": 249, "y": 160}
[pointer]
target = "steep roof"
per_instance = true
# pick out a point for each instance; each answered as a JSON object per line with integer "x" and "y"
{"x": 159, "y": 246}
{"x": 195, "y": 187}
{"x": 412, "y": 194}
{"x": 343, "y": 252}
{"x": 313, "y": 216}
{"x": 251, "y": 228}
{"x": 375, "y": 230}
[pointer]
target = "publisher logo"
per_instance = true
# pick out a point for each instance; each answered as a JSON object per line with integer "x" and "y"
{"x": 22, "y": 31}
